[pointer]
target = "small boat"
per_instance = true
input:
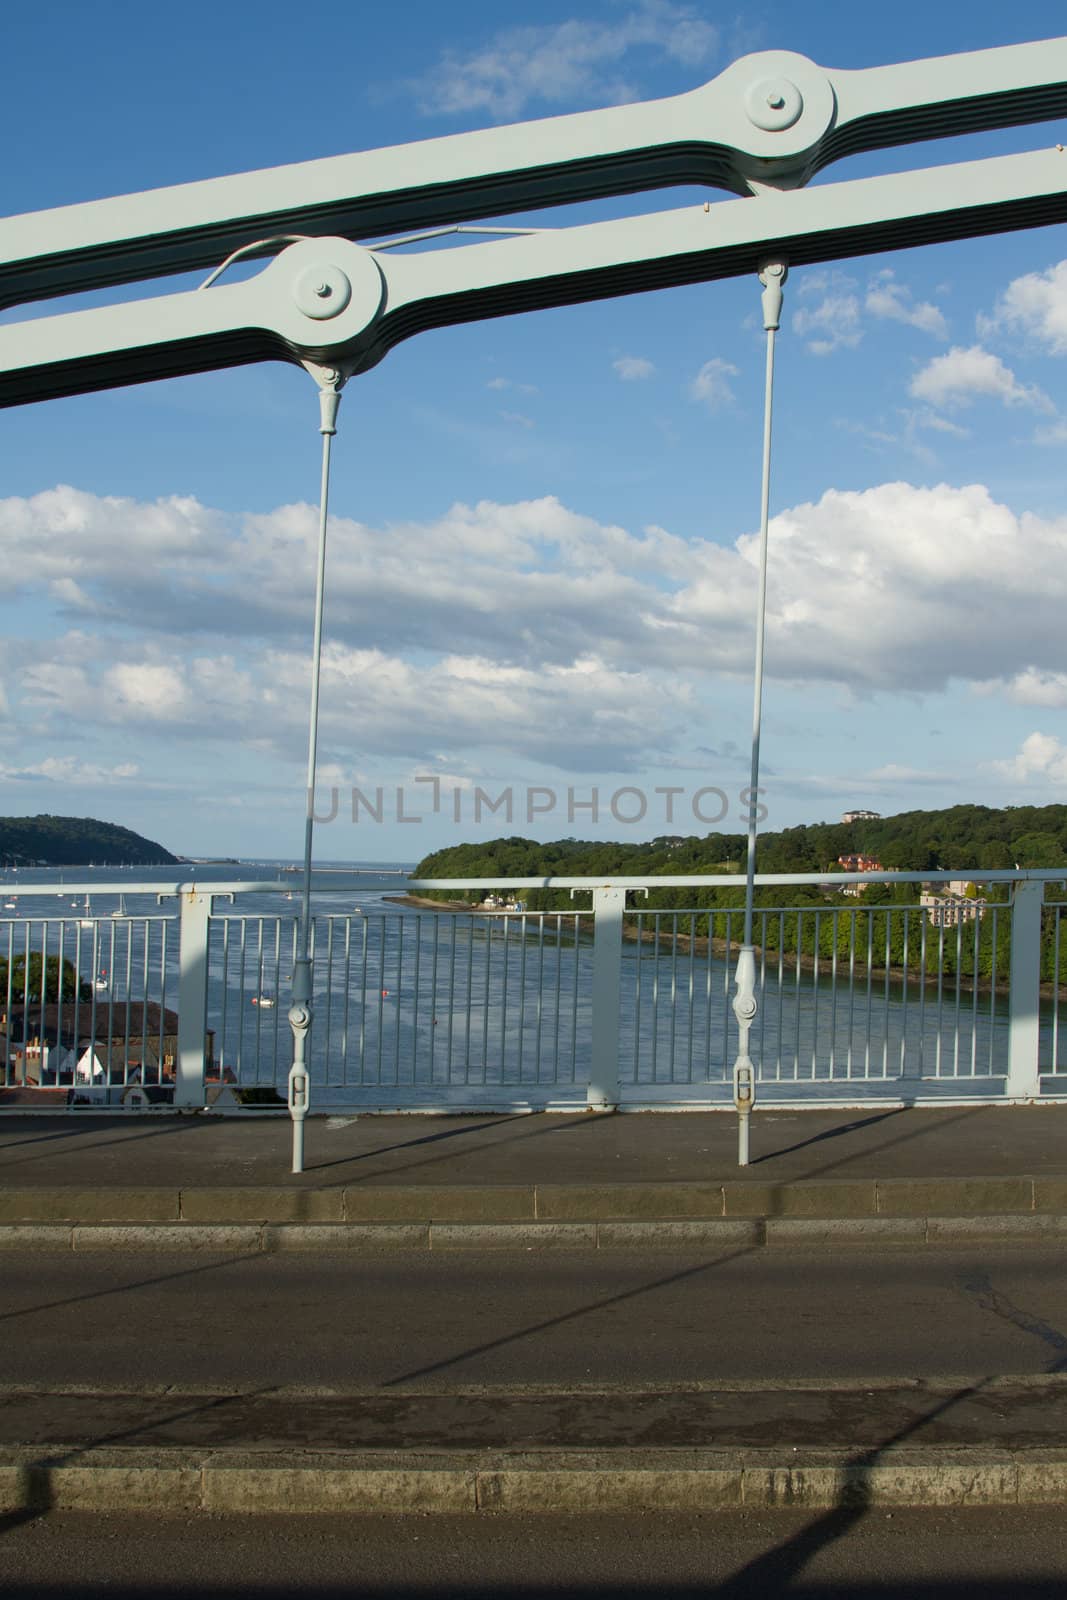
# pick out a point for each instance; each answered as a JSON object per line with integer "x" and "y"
{"x": 87, "y": 921}
{"x": 11, "y": 905}
{"x": 102, "y": 983}
{"x": 263, "y": 1001}
{"x": 121, "y": 912}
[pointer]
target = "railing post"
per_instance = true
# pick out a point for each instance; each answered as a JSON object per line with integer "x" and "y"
{"x": 1023, "y": 1015}
{"x": 192, "y": 997}
{"x": 608, "y": 907}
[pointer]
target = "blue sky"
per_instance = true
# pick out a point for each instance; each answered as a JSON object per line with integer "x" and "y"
{"x": 540, "y": 571}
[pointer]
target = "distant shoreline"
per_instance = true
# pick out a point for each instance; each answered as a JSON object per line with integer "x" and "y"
{"x": 687, "y": 943}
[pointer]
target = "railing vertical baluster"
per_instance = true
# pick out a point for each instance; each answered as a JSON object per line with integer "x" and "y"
{"x": 453, "y": 939}
{"x": 692, "y": 986}
{"x": 522, "y": 987}
{"x": 940, "y": 994}
{"x": 708, "y": 990}
{"x": 243, "y": 948}
{"x": 399, "y": 992}
{"x": 192, "y": 998}
{"x": 381, "y": 997}
{"x": 657, "y": 915}
{"x": 540, "y": 993}
{"x": 887, "y": 994}
{"x": 504, "y": 999}
{"x": 327, "y": 1007}
{"x": 796, "y": 996}
{"x": 346, "y": 1009}
{"x": 993, "y": 987}
{"x": 1054, "y": 1064}
{"x": 835, "y": 924}
{"x": 225, "y": 1000}
{"x": 974, "y": 999}
{"x": 9, "y": 1065}
{"x": 815, "y": 997}
{"x": 923, "y": 951}
{"x": 851, "y": 988}
{"x": 781, "y": 994}
{"x": 365, "y": 956}
{"x": 674, "y": 997}
{"x": 608, "y": 907}
{"x": 435, "y": 923}
{"x": 1024, "y": 1006}
{"x": 416, "y": 980}
{"x": 574, "y": 991}
{"x": 638, "y": 955}
{"x": 959, "y": 977}
{"x": 559, "y": 990}
{"x": 485, "y": 1000}
{"x": 902, "y": 1065}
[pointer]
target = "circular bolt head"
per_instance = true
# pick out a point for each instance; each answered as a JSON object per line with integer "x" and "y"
{"x": 774, "y": 104}
{"x": 322, "y": 291}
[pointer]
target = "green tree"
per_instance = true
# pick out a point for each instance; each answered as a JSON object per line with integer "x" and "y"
{"x": 1039, "y": 850}
{"x": 25, "y": 983}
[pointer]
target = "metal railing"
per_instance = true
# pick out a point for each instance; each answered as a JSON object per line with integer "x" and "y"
{"x": 846, "y": 996}
{"x": 608, "y": 1003}
{"x": 88, "y": 1003}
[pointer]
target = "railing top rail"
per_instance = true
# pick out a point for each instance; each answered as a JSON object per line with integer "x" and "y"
{"x": 670, "y": 881}
{"x": 125, "y": 886}
{"x": 735, "y": 880}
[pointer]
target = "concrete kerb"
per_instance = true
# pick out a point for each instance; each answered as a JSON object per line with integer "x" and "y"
{"x": 559, "y": 1481}
{"x": 550, "y": 1206}
{"x": 667, "y": 1234}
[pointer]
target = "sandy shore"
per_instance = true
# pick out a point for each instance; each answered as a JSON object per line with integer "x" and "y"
{"x": 422, "y": 904}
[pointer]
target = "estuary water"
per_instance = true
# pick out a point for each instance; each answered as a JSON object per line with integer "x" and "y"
{"x": 418, "y": 1007}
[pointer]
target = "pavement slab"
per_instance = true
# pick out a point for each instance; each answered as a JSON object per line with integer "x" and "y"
{"x": 994, "y": 1414}
{"x": 521, "y": 1151}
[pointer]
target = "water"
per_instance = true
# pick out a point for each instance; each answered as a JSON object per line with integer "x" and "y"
{"x": 414, "y": 1007}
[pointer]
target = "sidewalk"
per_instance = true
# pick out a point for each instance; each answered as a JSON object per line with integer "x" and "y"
{"x": 701, "y": 1449}
{"x": 900, "y": 1178}
{"x": 581, "y": 1180}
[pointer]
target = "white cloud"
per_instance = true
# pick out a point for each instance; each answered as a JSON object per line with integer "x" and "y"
{"x": 583, "y": 714}
{"x": 711, "y": 386}
{"x": 515, "y": 626}
{"x": 69, "y": 770}
{"x": 630, "y": 368}
{"x": 1041, "y": 756}
{"x": 833, "y": 324}
{"x": 893, "y": 772}
{"x": 1030, "y": 687}
{"x": 909, "y": 437}
{"x": 1036, "y": 305}
{"x": 961, "y": 376}
{"x": 886, "y": 298}
{"x": 573, "y": 62}
{"x": 520, "y": 419}
{"x": 896, "y": 587}
{"x": 930, "y": 419}
{"x": 511, "y": 383}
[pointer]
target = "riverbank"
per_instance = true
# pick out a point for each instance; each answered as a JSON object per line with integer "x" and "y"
{"x": 698, "y": 944}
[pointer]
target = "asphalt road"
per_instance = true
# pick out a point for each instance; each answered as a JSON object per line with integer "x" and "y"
{"x": 912, "y": 1555}
{"x": 438, "y": 1321}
